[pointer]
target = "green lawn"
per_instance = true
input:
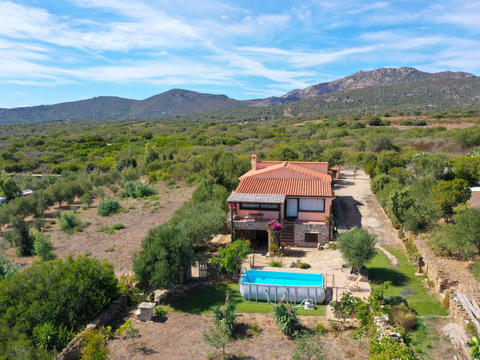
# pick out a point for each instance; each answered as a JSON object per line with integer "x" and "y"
{"x": 200, "y": 300}
{"x": 403, "y": 279}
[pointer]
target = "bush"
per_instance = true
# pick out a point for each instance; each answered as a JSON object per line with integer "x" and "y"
{"x": 159, "y": 312}
{"x": 7, "y": 269}
{"x": 137, "y": 190}
{"x": 94, "y": 346}
{"x": 49, "y": 293}
{"x": 276, "y": 262}
{"x": 389, "y": 348}
{"x": 70, "y": 223}
{"x": 118, "y": 226}
{"x": 404, "y": 317}
{"x": 320, "y": 329}
{"x": 286, "y": 317}
{"x": 476, "y": 270}
{"x": 231, "y": 257}
{"x": 108, "y": 207}
{"x": 396, "y": 300}
{"x": 42, "y": 247}
{"x": 302, "y": 265}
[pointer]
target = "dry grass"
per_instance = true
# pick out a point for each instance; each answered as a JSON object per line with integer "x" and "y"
{"x": 138, "y": 216}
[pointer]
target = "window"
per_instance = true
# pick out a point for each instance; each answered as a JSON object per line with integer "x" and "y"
{"x": 311, "y": 237}
{"x": 257, "y": 206}
{"x": 312, "y": 205}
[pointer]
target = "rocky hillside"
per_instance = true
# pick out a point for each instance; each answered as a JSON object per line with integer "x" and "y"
{"x": 361, "y": 80}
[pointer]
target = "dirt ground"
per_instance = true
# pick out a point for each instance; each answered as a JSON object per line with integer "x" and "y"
{"x": 138, "y": 216}
{"x": 181, "y": 337}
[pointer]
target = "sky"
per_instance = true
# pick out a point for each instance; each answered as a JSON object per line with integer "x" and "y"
{"x": 55, "y": 51}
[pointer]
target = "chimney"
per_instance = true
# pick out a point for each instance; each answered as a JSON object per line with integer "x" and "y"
{"x": 254, "y": 162}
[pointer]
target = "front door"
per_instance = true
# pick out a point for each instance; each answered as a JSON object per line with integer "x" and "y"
{"x": 292, "y": 208}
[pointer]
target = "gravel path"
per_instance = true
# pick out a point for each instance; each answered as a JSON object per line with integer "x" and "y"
{"x": 357, "y": 206}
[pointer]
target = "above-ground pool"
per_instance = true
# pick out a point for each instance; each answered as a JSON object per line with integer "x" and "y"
{"x": 276, "y": 285}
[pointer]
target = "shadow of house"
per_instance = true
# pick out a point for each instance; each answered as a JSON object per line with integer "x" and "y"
{"x": 348, "y": 213}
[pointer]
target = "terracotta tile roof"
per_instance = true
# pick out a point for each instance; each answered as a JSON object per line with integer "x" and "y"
{"x": 299, "y": 187}
{"x": 294, "y": 166}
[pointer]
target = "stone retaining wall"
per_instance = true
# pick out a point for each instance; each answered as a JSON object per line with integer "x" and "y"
{"x": 113, "y": 311}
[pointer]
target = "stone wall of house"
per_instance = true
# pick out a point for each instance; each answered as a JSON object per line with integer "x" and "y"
{"x": 300, "y": 230}
{"x": 250, "y": 225}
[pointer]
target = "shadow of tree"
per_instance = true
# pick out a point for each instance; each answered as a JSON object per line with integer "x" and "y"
{"x": 352, "y": 216}
{"x": 380, "y": 275}
{"x": 146, "y": 351}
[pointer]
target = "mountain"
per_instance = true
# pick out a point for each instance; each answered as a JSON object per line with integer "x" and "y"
{"x": 432, "y": 95}
{"x": 361, "y": 80}
{"x": 172, "y": 102}
{"x": 382, "y": 88}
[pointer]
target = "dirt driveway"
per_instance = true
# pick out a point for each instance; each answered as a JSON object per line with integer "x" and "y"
{"x": 357, "y": 206}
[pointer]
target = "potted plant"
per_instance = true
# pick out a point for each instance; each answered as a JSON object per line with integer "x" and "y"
{"x": 327, "y": 220}
{"x": 274, "y": 228}
{"x": 152, "y": 297}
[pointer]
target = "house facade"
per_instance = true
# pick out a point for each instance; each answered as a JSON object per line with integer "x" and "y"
{"x": 298, "y": 195}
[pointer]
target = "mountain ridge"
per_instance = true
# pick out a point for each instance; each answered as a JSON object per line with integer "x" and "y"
{"x": 183, "y": 102}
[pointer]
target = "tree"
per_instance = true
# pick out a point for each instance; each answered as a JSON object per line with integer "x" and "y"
{"x": 379, "y": 143}
{"x": 231, "y": 257}
{"x": 389, "y": 159}
{"x": 217, "y": 337}
{"x": 10, "y": 188}
{"x": 23, "y": 240}
{"x": 448, "y": 194}
{"x": 127, "y": 330}
{"x": 357, "y": 247}
{"x": 166, "y": 253}
{"x": 398, "y": 203}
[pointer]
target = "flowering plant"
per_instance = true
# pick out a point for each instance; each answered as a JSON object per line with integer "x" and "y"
{"x": 274, "y": 225}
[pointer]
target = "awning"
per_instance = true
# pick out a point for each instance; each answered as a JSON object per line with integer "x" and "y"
{"x": 257, "y": 198}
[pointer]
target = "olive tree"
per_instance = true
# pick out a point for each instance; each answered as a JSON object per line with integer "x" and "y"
{"x": 357, "y": 247}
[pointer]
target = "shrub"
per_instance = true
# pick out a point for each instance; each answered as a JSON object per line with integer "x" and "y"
{"x": 49, "y": 293}
{"x": 396, "y": 300}
{"x": 390, "y": 348}
{"x": 127, "y": 330}
{"x": 118, "y": 226}
{"x": 302, "y": 265}
{"x": 7, "y": 269}
{"x": 276, "y": 262}
{"x": 45, "y": 335}
{"x": 231, "y": 257}
{"x": 404, "y": 317}
{"x": 137, "y": 190}
{"x": 70, "y": 223}
{"x": 166, "y": 253}
{"x": 108, "y": 207}
{"x": 159, "y": 312}
{"x": 286, "y": 317}
{"x": 226, "y": 317}
{"x": 254, "y": 329}
{"x": 476, "y": 270}
{"x": 42, "y": 247}
{"x": 320, "y": 329}
{"x": 94, "y": 346}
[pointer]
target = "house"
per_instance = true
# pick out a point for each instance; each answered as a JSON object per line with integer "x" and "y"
{"x": 297, "y": 194}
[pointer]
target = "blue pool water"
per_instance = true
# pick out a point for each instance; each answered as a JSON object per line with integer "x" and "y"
{"x": 282, "y": 278}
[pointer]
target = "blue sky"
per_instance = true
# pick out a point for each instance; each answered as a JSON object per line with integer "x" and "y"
{"x": 53, "y": 51}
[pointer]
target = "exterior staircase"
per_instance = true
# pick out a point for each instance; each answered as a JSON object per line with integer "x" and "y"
{"x": 288, "y": 232}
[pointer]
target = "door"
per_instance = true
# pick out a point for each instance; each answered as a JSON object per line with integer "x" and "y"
{"x": 292, "y": 208}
